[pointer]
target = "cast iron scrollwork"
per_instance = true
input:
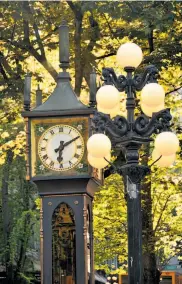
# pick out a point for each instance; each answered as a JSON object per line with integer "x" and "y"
{"x": 150, "y": 75}
{"x": 100, "y": 121}
{"x": 109, "y": 77}
{"x": 136, "y": 173}
{"x": 115, "y": 129}
{"x": 160, "y": 121}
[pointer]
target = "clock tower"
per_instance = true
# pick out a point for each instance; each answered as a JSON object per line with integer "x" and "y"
{"x": 57, "y": 132}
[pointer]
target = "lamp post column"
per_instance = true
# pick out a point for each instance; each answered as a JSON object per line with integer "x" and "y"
{"x": 133, "y": 174}
{"x": 134, "y": 237}
{"x": 133, "y": 192}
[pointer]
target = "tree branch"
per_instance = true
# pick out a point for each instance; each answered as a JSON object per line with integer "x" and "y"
{"x": 105, "y": 55}
{"x": 31, "y": 11}
{"x": 3, "y": 72}
{"x": 162, "y": 211}
{"x": 175, "y": 90}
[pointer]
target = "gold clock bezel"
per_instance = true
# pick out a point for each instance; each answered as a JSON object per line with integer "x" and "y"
{"x": 80, "y": 155}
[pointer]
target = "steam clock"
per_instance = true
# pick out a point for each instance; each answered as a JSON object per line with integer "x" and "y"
{"x": 57, "y": 132}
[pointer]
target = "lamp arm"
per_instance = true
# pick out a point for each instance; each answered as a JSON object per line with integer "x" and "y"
{"x": 150, "y": 75}
{"x": 159, "y": 122}
{"x": 109, "y": 77}
{"x": 114, "y": 129}
{"x": 156, "y": 161}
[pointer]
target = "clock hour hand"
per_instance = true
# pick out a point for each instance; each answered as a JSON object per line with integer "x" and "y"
{"x": 69, "y": 142}
{"x": 60, "y": 150}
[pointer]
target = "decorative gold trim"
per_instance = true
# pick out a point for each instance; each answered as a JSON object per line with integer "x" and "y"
{"x": 41, "y": 241}
{"x": 33, "y": 148}
{"x": 53, "y": 121}
{"x": 57, "y": 133}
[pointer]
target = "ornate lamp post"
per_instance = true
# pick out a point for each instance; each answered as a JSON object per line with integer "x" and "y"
{"x": 127, "y": 135}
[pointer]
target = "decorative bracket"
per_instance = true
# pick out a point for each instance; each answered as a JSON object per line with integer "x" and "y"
{"x": 109, "y": 77}
{"x": 150, "y": 75}
{"x": 115, "y": 129}
{"x": 160, "y": 121}
{"x": 136, "y": 173}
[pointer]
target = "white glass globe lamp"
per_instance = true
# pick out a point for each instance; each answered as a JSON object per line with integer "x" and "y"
{"x": 150, "y": 110}
{"x": 129, "y": 55}
{"x": 99, "y": 145}
{"x": 164, "y": 161}
{"x": 152, "y": 95}
{"x": 166, "y": 143}
{"x": 107, "y": 97}
{"x": 98, "y": 163}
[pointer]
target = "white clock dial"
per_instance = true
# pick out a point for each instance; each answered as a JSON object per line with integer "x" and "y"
{"x": 61, "y": 147}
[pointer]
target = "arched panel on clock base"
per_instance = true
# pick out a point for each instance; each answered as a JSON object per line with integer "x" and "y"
{"x": 80, "y": 203}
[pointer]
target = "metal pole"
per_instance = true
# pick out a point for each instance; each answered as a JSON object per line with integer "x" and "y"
{"x": 134, "y": 236}
{"x": 133, "y": 197}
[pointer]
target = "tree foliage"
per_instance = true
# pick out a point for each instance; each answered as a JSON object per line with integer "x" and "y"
{"x": 29, "y": 43}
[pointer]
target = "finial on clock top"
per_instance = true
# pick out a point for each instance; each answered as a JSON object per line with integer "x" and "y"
{"x": 64, "y": 45}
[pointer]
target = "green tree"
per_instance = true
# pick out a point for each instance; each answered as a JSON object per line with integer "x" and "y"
{"x": 29, "y": 42}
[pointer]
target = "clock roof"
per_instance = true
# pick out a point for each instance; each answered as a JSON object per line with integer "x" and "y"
{"x": 62, "y": 98}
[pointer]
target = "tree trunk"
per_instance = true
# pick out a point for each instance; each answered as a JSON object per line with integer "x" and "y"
{"x": 151, "y": 273}
{"x": 23, "y": 249}
{"x": 151, "y": 39}
{"x": 25, "y": 188}
{"x": 6, "y": 214}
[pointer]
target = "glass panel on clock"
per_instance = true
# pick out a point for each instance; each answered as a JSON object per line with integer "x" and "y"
{"x": 63, "y": 245}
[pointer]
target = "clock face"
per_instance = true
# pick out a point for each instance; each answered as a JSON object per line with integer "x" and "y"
{"x": 61, "y": 147}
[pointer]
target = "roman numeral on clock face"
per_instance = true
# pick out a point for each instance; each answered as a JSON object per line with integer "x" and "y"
{"x": 43, "y": 148}
{"x": 60, "y": 129}
{"x": 61, "y": 166}
{"x": 45, "y": 157}
{"x": 51, "y": 164}
{"x": 52, "y": 132}
{"x": 70, "y": 163}
{"x": 79, "y": 146}
{"x": 76, "y": 156}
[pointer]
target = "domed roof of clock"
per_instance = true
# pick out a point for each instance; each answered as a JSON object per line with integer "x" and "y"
{"x": 63, "y": 97}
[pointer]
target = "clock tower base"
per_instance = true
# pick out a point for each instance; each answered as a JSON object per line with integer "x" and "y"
{"x": 66, "y": 231}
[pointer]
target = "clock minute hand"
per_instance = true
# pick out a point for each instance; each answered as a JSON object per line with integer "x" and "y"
{"x": 69, "y": 142}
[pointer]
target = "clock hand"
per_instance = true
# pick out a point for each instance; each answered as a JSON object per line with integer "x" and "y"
{"x": 69, "y": 142}
{"x": 60, "y": 149}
